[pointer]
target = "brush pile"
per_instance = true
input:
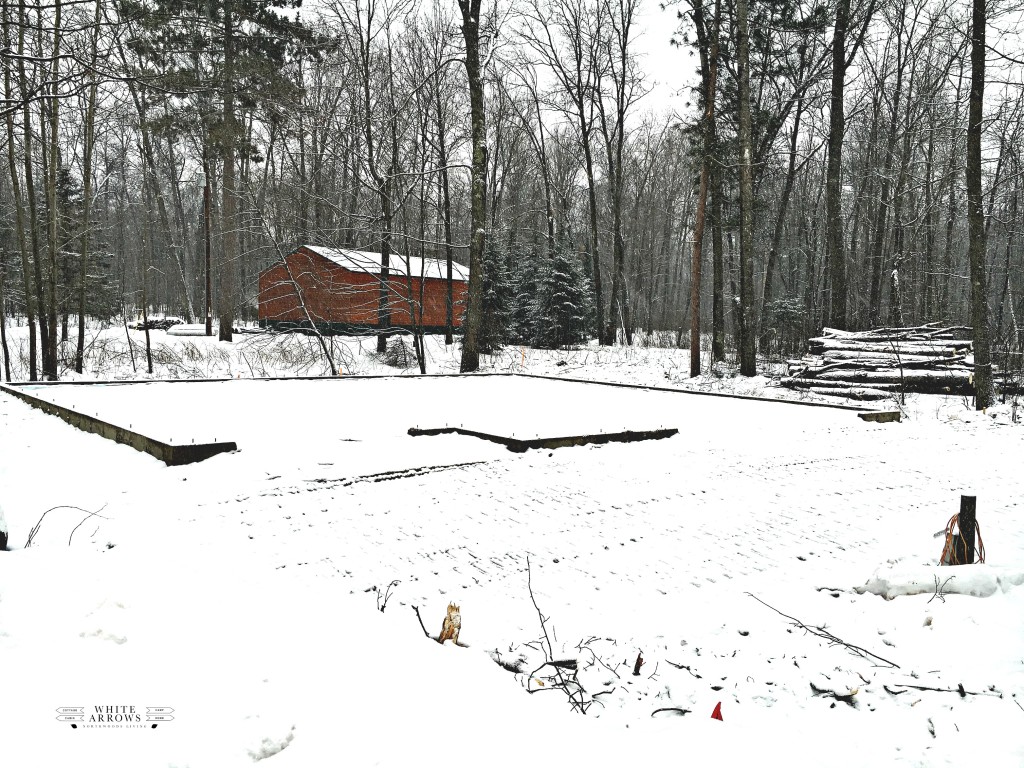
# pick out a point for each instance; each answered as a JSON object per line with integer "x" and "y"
{"x": 876, "y": 364}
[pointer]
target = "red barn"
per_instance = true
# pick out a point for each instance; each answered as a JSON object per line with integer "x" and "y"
{"x": 339, "y": 291}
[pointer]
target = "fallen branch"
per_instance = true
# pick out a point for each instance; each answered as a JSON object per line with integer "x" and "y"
{"x": 680, "y": 710}
{"x": 826, "y": 635}
{"x": 939, "y": 593}
{"x": 35, "y": 529}
{"x": 964, "y": 693}
{"x": 683, "y": 666}
{"x": 91, "y": 514}
{"x": 565, "y": 670}
{"x": 416, "y": 609}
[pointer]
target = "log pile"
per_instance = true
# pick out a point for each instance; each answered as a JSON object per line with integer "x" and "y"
{"x": 875, "y": 364}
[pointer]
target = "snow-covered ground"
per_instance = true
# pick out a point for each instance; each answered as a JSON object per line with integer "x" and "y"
{"x": 243, "y": 592}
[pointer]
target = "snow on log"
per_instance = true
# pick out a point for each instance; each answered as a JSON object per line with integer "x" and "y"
{"x": 924, "y": 382}
{"x": 852, "y": 393}
{"x": 926, "y": 332}
{"x": 889, "y": 358}
{"x": 928, "y": 359}
{"x": 820, "y": 344}
{"x": 955, "y": 366}
{"x": 798, "y": 383}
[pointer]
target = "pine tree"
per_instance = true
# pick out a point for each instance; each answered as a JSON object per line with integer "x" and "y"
{"x": 523, "y": 287}
{"x": 562, "y": 306}
{"x": 498, "y": 299}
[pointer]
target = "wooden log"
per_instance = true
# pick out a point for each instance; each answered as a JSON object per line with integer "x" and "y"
{"x": 948, "y": 348}
{"x": 878, "y": 360}
{"x": 889, "y": 357}
{"x": 923, "y": 382}
{"x": 798, "y": 383}
{"x": 852, "y": 393}
{"x": 921, "y": 332}
{"x": 814, "y": 372}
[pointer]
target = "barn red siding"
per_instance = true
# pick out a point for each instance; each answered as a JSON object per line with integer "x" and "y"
{"x": 333, "y": 294}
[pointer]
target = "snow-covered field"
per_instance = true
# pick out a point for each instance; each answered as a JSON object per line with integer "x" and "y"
{"x": 243, "y": 592}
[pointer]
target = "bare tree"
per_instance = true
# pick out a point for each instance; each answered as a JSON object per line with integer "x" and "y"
{"x": 624, "y": 90}
{"x": 471, "y": 28}
{"x": 566, "y": 37}
{"x": 708, "y": 43}
{"x": 748, "y": 362}
{"x": 975, "y": 215}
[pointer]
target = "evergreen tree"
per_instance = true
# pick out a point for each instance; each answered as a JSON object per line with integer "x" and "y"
{"x": 498, "y": 298}
{"x": 562, "y": 306}
{"x": 522, "y": 288}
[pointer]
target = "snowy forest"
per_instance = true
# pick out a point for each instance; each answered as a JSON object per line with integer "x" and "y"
{"x": 846, "y": 163}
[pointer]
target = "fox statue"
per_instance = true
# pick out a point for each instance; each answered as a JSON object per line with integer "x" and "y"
{"x": 451, "y": 626}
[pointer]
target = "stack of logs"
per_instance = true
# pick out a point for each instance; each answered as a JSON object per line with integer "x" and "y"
{"x": 876, "y": 364}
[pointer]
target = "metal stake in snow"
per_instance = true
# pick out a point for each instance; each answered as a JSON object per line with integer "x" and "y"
{"x": 963, "y": 545}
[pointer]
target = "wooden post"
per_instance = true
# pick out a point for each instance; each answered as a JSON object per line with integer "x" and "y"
{"x": 963, "y": 544}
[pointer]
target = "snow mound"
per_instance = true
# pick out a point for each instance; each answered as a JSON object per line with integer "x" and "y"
{"x": 893, "y": 580}
{"x": 268, "y": 747}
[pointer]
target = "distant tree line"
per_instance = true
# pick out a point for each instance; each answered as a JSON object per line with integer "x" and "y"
{"x": 841, "y": 164}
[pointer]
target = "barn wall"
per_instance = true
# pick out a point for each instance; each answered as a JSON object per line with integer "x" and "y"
{"x": 337, "y": 298}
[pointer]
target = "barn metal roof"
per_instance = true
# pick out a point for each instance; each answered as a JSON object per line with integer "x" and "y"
{"x": 369, "y": 262}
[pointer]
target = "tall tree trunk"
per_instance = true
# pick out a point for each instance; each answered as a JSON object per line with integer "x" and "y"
{"x": 30, "y": 194}
{"x": 931, "y": 220}
{"x": 3, "y": 318}
{"x": 1010, "y": 237}
{"x": 983, "y": 388}
{"x": 780, "y": 218}
{"x": 89, "y": 140}
{"x": 834, "y": 179}
{"x": 144, "y": 262}
{"x": 207, "y": 238}
{"x": 229, "y": 199}
{"x": 19, "y": 210}
{"x": 446, "y": 214}
{"x": 709, "y": 71}
{"x": 748, "y": 361}
{"x": 952, "y": 206}
{"x": 52, "y": 152}
{"x": 717, "y": 264}
{"x": 595, "y": 242}
{"x": 53, "y": 215}
{"x": 886, "y": 197}
{"x": 899, "y": 226}
{"x": 478, "y": 204}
